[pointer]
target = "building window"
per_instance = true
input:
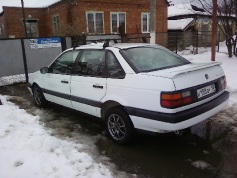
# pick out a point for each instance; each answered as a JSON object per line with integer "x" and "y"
{"x": 145, "y": 22}
{"x": 32, "y": 28}
{"x": 118, "y": 20}
{"x": 56, "y": 24}
{"x": 95, "y": 22}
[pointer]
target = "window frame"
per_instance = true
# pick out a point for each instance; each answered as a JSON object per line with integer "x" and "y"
{"x": 148, "y": 22}
{"x": 56, "y": 31}
{"x": 117, "y": 13}
{"x": 94, "y": 18}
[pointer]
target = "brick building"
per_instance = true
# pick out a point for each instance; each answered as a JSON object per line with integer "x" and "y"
{"x": 68, "y": 17}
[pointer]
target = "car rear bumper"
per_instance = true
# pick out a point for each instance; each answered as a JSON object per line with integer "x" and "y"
{"x": 156, "y": 122}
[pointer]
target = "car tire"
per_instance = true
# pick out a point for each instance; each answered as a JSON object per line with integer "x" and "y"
{"x": 119, "y": 126}
{"x": 39, "y": 98}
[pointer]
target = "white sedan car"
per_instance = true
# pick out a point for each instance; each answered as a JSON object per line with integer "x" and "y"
{"x": 132, "y": 87}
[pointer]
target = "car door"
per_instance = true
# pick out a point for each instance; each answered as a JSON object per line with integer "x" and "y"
{"x": 88, "y": 84}
{"x": 57, "y": 81}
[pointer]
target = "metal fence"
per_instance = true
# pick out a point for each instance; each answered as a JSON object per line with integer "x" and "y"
{"x": 178, "y": 41}
{"x": 18, "y": 57}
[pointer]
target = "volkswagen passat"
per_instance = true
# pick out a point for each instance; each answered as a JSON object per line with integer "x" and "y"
{"x": 132, "y": 87}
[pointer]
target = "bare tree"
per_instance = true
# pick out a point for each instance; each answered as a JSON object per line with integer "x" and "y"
{"x": 227, "y": 17}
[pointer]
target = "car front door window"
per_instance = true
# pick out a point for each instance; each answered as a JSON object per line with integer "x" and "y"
{"x": 64, "y": 64}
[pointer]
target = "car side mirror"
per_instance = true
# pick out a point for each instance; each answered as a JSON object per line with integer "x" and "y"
{"x": 44, "y": 70}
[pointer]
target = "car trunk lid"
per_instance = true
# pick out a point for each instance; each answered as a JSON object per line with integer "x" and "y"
{"x": 190, "y": 75}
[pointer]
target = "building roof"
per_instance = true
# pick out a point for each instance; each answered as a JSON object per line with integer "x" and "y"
{"x": 27, "y": 3}
{"x": 184, "y": 9}
{"x": 181, "y": 24}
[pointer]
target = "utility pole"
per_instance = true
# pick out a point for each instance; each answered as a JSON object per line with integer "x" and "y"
{"x": 24, "y": 18}
{"x": 214, "y": 26}
{"x": 153, "y": 21}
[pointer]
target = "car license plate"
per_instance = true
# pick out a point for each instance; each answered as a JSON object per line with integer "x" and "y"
{"x": 206, "y": 91}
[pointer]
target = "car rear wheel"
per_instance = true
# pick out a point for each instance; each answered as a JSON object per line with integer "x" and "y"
{"x": 119, "y": 126}
{"x": 39, "y": 97}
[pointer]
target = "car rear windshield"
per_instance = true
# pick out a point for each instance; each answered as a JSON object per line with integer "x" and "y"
{"x": 151, "y": 58}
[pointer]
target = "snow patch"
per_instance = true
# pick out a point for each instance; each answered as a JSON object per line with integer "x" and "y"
{"x": 12, "y": 79}
{"x": 179, "y": 24}
{"x": 27, "y": 3}
{"x": 24, "y": 144}
{"x": 182, "y": 9}
{"x": 201, "y": 164}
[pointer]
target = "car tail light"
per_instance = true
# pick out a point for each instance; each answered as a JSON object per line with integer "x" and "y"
{"x": 175, "y": 100}
{"x": 223, "y": 83}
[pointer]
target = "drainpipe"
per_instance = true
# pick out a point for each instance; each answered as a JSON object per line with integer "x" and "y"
{"x": 153, "y": 21}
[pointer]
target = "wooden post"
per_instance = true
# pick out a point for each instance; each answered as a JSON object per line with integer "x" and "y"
{"x": 24, "y": 18}
{"x": 214, "y": 25}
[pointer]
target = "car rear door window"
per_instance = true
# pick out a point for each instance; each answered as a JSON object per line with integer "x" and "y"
{"x": 114, "y": 68}
{"x": 91, "y": 63}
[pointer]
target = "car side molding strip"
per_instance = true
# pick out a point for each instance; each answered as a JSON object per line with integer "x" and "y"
{"x": 74, "y": 98}
{"x": 61, "y": 95}
{"x": 86, "y": 101}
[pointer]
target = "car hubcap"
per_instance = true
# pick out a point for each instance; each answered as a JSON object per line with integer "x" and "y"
{"x": 116, "y": 127}
{"x": 37, "y": 96}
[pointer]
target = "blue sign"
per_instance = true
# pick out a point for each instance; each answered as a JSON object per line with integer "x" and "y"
{"x": 45, "y": 43}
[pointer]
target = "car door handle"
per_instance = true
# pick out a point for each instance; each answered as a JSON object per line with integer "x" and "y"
{"x": 64, "y": 81}
{"x": 98, "y": 86}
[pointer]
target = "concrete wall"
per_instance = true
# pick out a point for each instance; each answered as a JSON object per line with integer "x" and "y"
{"x": 11, "y": 60}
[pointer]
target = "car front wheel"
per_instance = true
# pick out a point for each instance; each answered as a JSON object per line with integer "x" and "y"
{"x": 38, "y": 96}
{"x": 119, "y": 126}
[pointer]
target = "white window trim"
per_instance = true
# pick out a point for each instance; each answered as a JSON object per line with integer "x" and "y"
{"x": 94, "y": 12}
{"x": 117, "y": 13}
{"x": 56, "y": 15}
{"x": 148, "y": 22}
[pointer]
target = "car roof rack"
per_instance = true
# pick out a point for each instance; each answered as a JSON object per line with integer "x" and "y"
{"x": 105, "y": 41}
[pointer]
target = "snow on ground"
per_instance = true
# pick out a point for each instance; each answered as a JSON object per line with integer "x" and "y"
{"x": 28, "y": 150}
{"x": 228, "y": 117}
{"x": 12, "y": 79}
{"x": 229, "y": 64}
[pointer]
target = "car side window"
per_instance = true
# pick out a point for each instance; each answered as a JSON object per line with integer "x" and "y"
{"x": 64, "y": 63}
{"x": 91, "y": 63}
{"x": 114, "y": 68}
